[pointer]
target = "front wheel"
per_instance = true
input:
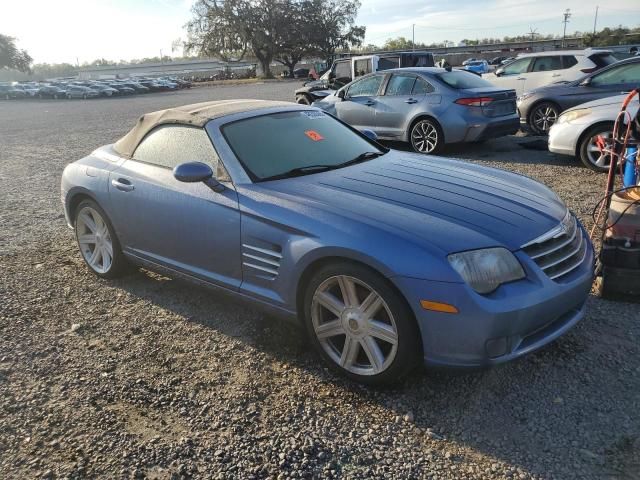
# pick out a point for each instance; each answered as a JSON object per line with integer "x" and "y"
{"x": 97, "y": 241}
{"x": 426, "y": 137}
{"x": 589, "y": 148}
{"x": 360, "y": 325}
{"x": 542, "y": 117}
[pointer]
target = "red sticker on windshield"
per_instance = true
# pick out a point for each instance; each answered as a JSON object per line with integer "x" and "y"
{"x": 313, "y": 135}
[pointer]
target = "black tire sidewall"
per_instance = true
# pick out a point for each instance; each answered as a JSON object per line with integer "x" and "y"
{"x": 409, "y": 339}
{"x": 439, "y": 143}
{"x": 584, "y": 144}
{"x": 119, "y": 262}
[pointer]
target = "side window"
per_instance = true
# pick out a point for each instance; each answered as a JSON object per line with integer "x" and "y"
{"x": 400, "y": 85}
{"x": 362, "y": 67}
{"x": 422, "y": 87}
{"x": 385, "y": 63}
{"x": 546, "y": 64}
{"x": 517, "y": 67}
{"x": 343, "y": 73}
{"x": 619, "y": 75}
{"x": 170, "y": 145}
{"x": 367, "y": 87}
{"x": 569, "y": 61}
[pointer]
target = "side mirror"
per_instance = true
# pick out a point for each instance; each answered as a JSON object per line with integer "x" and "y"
{"x": 370, "y": 134}
{"x": 341, "y": 94}
{"x": 194, "y": 172}
{"x": 586, "y": 82}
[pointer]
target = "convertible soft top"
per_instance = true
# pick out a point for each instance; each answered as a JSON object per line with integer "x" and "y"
{"x": 197, "y": 114}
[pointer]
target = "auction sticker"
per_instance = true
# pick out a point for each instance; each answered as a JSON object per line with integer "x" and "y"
{"x": 313, "y": 135}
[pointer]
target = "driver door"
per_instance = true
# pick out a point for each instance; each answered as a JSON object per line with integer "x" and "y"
{"x": 512, "y": 75}
{"x": 184, "y": 226}
{"x": 358, "y": 108}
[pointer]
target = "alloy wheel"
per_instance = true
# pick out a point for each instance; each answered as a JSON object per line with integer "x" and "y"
{"x": 354, "y": 325}
{"x": 594, "y": 155}
{"x": 543, "y": 117}
{"x": 94, "y": 240}
{"x": 424, "y": 137}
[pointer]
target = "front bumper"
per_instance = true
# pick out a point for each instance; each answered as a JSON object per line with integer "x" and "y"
{"x": 563, "y": 138}
{"x": 516, "y": 319}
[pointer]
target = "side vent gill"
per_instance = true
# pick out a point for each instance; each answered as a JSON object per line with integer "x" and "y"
{"x": 263, "y": 262}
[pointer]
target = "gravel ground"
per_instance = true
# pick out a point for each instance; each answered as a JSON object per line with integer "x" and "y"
{"x": 149, "y": 377}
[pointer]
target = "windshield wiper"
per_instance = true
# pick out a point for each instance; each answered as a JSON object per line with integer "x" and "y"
{"x": 299, "y": 171}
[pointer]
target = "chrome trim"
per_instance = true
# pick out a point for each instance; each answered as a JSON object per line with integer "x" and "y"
{"x": 263, "y": 250}
{"x": 573, "y": 267}
{"x": 261, "y": 259}
{"x": 263, "y": 269}
{"x": 566, "y": 257}
{"x": 553, "y": 233}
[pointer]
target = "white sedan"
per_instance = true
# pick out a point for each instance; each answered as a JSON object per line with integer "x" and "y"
{"x": 581, "y": 130}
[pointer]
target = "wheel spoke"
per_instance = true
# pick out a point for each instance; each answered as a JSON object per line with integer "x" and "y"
{"x": 348, "y": 289}
{"x": 383, "y": 331}
{"x": 95, "y": 255}
{"x": 330, "y": 329}
{"x": 88, "y": 238}
{"x": 106, "y": 258}
{"x": 330, "y": 302}
{"x": 349, "y": 352}
{"x": 371, "y": 305}
{"x": 88, "y": 222}
{"x": 373, "y": 353}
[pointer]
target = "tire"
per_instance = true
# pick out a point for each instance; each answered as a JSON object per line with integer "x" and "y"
{"x": 426, "y": 136}
{"x": 542, "y": 116}
{"x": 378, "y": 351}
{"x": 304, "y": 100}
{"x": 94, "y": 231}
{"x": 587, "y": 150}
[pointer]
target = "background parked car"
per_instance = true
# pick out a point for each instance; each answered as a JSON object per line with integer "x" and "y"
{"x": 427, "y": 107}
{"x": 497, "y": 60}
{"x": 579, "y": 130}
{"x": 77, "y": 91}
{"x": 122, "y": 90}
{"x": 9, "y": 92}
{"x": 477, "y": 66}
{"x": 104, "y": 90}
{"x": 533, "y": 70}
{"x": 540, "y": 108}
{"x": 49, "y": 91}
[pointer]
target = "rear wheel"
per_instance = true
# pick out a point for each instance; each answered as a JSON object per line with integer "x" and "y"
{"x": 542, "y": 116}
{"x": 426, "y": 136}
{"x": 360, "y": 325}
{"x": 97, "y": 241}
{"x": 589, "y": 148}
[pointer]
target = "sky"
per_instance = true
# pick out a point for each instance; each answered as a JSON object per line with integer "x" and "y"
{"x": 83, "y": 30}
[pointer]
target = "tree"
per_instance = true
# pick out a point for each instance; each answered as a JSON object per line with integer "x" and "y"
{"x": 12, "y": 57}
{"x": 296, "y": 40}
{"x": 228, "y": 29}
{"x": 333, "y": 26}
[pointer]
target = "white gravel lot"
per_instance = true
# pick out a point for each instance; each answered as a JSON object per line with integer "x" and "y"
{"x": 148, "y": 377}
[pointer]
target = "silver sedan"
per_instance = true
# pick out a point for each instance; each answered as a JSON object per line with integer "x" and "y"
{"x": 581, "y": 131}
{"x": 427, "y": 107}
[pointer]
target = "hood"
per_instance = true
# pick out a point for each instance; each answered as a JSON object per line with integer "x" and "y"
{"x": 614, "y": 103}
{"x": 446, "y": 204}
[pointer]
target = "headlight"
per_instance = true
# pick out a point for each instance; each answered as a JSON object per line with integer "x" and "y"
{"x": 573, "y": 115}
{"x": 485, "y": 270}
{"x": 523, "y": 97}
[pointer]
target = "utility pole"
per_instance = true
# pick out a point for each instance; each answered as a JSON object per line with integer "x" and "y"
{"x": 595, "y": 20}
{"x": 533, "y": 32}
{"x": 161, "y": 61}
{"x": 413, "y": 38}
{"x": 566, "y": 15}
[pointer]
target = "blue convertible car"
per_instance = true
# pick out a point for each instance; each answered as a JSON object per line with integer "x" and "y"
{"x": 386, "y": 257}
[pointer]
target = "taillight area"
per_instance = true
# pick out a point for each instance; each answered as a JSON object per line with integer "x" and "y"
{"x": 588, "y": 70}
{"x": 475, "y": 102}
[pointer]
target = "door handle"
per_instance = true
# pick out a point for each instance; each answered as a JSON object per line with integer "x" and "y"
{"x": 411, "y": 100}
{"x": 521, "y": 78}
{"x": 369, "y": 103}
{"x": 122, "y": 185}
{"x": 555, "y": 75}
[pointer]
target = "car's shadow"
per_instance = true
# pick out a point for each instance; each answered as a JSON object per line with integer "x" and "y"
{"x": 510, "y": 149}
{"x": 520, "y": 414}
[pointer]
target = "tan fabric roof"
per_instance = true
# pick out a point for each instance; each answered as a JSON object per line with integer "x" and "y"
{"x": 197, "y": 114}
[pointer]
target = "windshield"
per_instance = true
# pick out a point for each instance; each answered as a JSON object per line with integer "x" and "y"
{"x": 461, "y": 80}
{"x": 271, "y": 145}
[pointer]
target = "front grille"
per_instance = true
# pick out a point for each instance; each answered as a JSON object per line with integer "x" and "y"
{"x": 559, "y": 251}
